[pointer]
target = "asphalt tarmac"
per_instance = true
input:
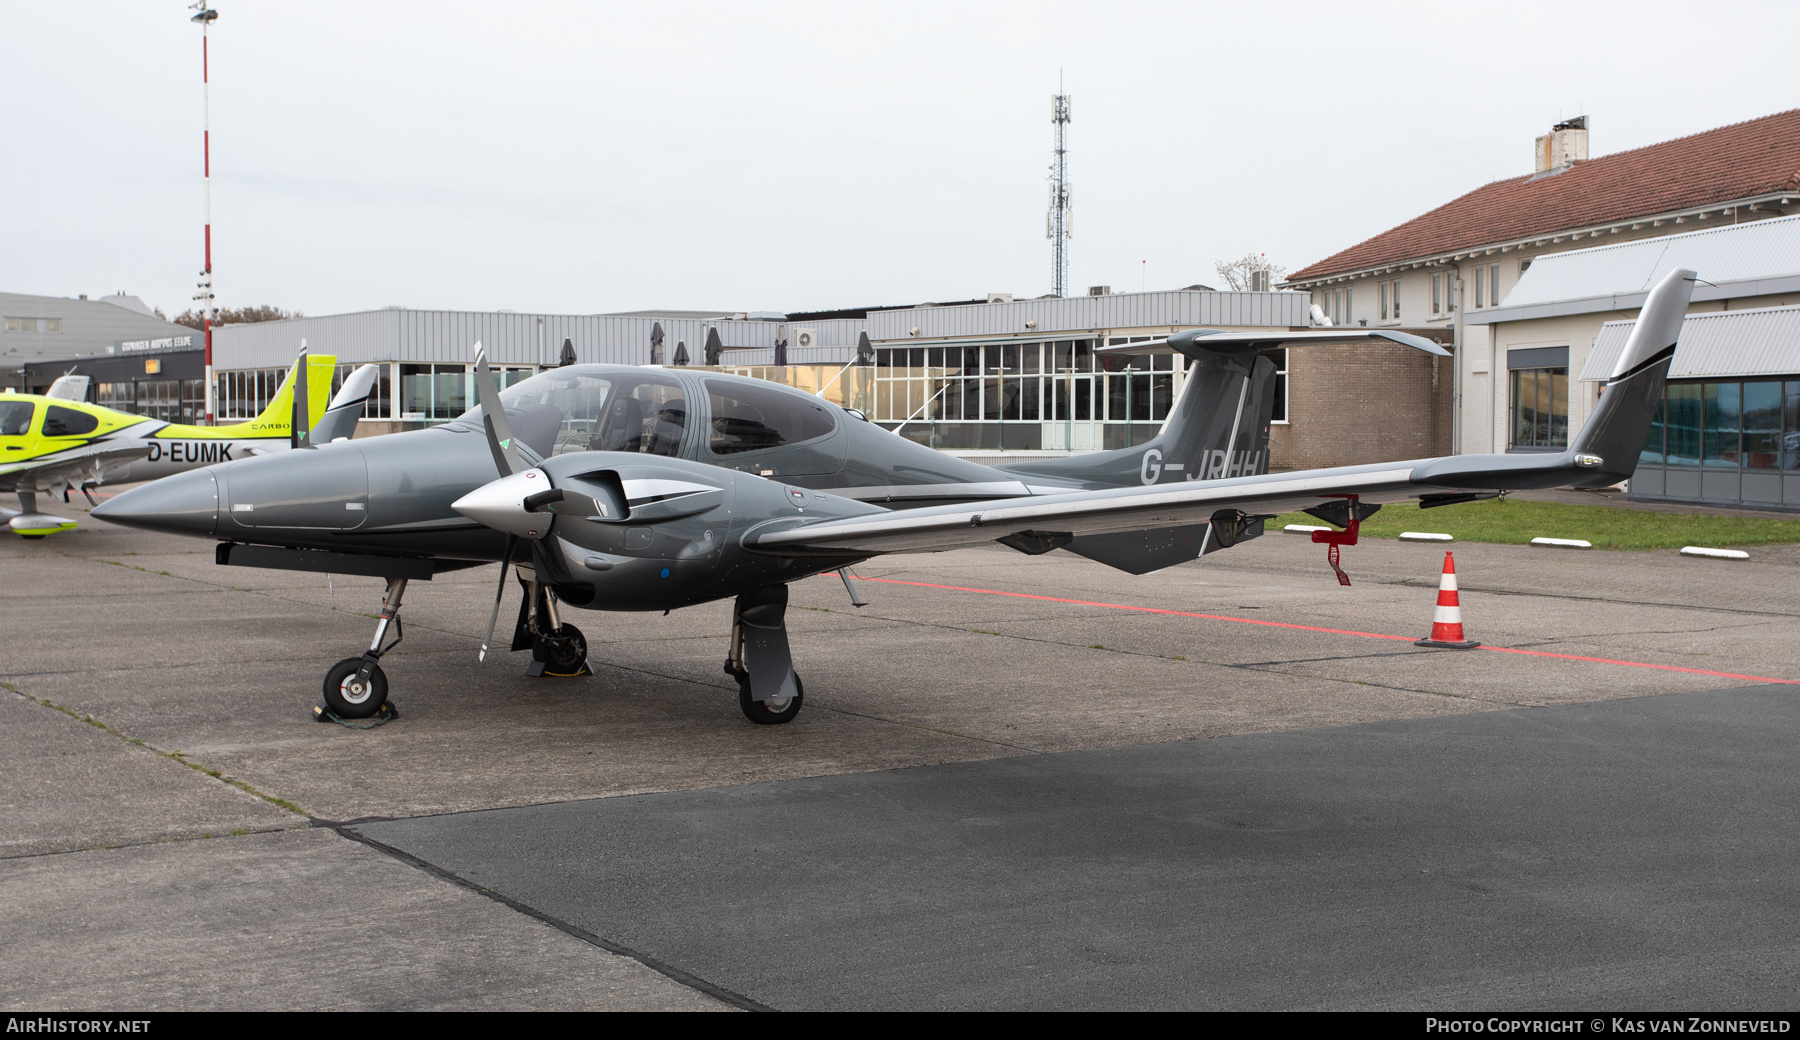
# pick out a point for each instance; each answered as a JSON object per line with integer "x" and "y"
{"x": 1017, "y": 782}
{"x": 1631, "y": 854}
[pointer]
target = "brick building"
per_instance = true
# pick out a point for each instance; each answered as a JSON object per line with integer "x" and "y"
{"x": 1445, "y": 270}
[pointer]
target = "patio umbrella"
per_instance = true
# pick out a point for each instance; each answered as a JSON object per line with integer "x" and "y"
{"x": 713, "y": 347}
{"x": 568, "y": 353}
{"x": 656, "y": 342}
{"x": 681, "y": 354}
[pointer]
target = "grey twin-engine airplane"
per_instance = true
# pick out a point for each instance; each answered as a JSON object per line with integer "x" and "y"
{"x": 623, "y": 488}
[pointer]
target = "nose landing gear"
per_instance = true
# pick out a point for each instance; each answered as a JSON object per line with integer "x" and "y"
{"x": 356, "y": 687}
{"x": 557, "y": 650}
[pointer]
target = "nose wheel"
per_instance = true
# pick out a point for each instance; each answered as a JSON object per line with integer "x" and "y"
{"x": 356, "y": 687}
{"x": 561, "y": 654}
{"x": 350, "y": 694}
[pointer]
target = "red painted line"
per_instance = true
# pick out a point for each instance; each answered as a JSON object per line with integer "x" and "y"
{"x": 1332, "y": 631}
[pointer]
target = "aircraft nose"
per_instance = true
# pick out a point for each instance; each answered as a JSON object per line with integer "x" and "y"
{"x": 185, "y": 503}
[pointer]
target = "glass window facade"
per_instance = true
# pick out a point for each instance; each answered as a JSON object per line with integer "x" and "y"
{"x": 166, "y": 400}
{"x": 1735, "y": 442}
{"x": 1540, "y": 408}
{"x": 1027, "y": 395}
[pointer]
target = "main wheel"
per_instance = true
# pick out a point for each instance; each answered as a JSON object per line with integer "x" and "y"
{"x": 564, "y": 653}
{"x": 770, "y": 713}
{"x": 349, "y": 699}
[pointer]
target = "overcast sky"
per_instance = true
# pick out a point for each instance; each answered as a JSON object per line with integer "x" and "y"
{"x": 583, "y": 157}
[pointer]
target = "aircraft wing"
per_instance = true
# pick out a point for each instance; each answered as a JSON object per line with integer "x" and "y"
{"x": 74, "y": 465}
{"x": 938, "y": 528}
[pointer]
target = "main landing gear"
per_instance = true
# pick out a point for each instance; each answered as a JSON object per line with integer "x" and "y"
{"x": 356, "y": 687}
{"x": 557, "y": 650}
{"x": 769, "y": 693}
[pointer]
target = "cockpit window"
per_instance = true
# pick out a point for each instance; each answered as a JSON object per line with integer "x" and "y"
{"x": 67, "y": 422}
{"x": 15, "y": 418}
{"x": 557, "y": 412}
{"x": 748, "y": 417}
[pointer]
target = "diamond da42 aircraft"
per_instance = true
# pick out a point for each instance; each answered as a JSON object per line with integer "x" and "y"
{"x": 59, "y": 440}
{"x": 639, "y": 488}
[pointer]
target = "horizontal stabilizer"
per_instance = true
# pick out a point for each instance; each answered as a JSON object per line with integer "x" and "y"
{"x": 1191, "y": 341}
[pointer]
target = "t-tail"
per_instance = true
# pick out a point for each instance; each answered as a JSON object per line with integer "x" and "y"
{"x": 1218, "y": 427}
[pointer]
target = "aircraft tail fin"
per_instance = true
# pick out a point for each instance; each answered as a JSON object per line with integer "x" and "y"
{"x": 1616, "y": 431}
{"x": 1218, "y": 427}
{"x": 339, "y": 421}
{"x": 278, "y": 417}
{"x": 1606, "y": 449}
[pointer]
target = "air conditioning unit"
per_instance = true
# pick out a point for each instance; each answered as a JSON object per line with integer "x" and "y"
{"x": 806, "y": 337}
{"x": 1099, "y": 290}
{"x": 999, "y": 297}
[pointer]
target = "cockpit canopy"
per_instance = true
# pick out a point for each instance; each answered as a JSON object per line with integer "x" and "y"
{"x": 599, "y": 408}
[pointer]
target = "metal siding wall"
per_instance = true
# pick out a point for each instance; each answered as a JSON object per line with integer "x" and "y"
{"x": 1094, "y": 313}
{"x": 354, "y": 338}
{"x": 1722, "y": 345}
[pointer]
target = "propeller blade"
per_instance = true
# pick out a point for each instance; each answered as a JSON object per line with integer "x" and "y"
{"x": 493, "y": 417}
{"x": 297, "y": 425}
{"x": 494, "y": 618}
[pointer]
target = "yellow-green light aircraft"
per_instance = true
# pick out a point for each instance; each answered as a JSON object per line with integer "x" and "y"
{"x": 47, "y": 441}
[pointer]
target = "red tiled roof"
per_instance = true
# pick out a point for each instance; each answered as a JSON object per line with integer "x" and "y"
{"x": 1757, "y": 157}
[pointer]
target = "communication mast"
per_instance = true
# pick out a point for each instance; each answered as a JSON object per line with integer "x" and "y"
{"x": 1058, "y": 225}
{"x": 205, "y": 296}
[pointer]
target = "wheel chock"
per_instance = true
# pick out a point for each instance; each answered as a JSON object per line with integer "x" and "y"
{"x": 383, "y": 715}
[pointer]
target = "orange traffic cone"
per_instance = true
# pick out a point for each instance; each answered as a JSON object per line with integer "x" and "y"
{"x": 1446, "y": 623}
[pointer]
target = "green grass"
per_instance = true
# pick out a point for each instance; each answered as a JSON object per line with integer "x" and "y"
{"x": 1514, "y": 522}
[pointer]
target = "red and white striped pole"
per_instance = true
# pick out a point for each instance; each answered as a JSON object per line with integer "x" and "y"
{"x": 205, "y": 296}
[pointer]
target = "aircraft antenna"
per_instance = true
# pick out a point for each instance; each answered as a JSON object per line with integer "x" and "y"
{"x": 204, "y": 297}
{"x": 1058, "y": 227}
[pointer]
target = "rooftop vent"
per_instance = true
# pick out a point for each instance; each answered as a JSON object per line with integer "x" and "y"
{"x": 1565, "y": 145}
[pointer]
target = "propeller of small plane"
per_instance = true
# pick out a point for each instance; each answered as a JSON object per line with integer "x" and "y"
{"x": 495, "y": 504}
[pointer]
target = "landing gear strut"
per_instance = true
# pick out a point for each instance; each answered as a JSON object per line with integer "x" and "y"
{"x": 557, "y": 650}
{"x": 356, "y": 687}
{"x": 769, "y": 693}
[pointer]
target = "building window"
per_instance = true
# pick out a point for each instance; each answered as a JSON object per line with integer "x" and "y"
{"x": 244, "y": 395}
{"x": 434, "y": 391}
{"x": 1280, "y": 357}
{"x": 1381, "y": 305}
{"x": 1396, "y": 297}
{"x": 34, "y": 324}
{"x": 1540, "y": 399}
{"x": 1480, "y": 290}
{"x": 1493, "y": 285}
{"x": 1437, "y": 295}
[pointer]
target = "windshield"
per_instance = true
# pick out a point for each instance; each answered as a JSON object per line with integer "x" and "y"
{"x": 557, "y": 412}
{"x": 15, "y": 418}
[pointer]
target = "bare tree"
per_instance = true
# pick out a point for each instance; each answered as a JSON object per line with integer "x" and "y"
{"x": 1240, "y": 273}
{"x": 241, "y": 316}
